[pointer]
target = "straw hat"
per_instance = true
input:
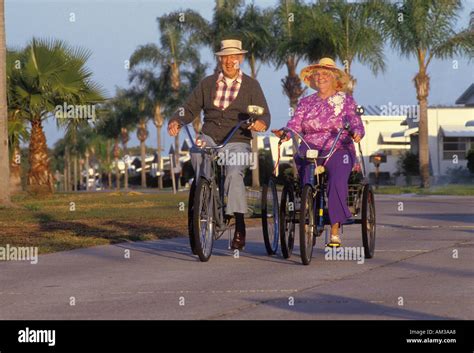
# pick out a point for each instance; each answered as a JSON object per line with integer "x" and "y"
{"x": 328, "y": 64}
{"x": 231, "y": 46}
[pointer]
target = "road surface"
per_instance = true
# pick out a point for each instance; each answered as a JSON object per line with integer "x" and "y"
{"x": 422, "y": 269}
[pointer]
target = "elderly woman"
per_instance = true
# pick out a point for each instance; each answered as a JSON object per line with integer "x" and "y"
{"x": 318, "y": 117}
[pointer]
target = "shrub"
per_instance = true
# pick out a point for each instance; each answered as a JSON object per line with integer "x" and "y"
{"x": 470, "y": 161}
{"x": 408, "y": 164}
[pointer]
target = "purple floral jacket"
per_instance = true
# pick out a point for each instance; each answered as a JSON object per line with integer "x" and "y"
{"x": 318, "y": 121}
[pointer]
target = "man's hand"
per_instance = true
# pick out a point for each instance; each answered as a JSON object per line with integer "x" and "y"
{"x": 258, "y": 125}
{"x": 279, "y": 133}
{"x": 173, "y": 127}
{"x": 357, "y": 138}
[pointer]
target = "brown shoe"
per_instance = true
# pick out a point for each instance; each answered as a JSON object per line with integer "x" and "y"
{"x": 239, "y": 241}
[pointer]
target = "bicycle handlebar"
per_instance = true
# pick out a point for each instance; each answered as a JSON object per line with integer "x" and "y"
{"x": 346, "y": 126}
{"x": 229, "y": 136}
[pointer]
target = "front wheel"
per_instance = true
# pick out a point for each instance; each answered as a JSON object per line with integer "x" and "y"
{"x": 368, "y": 222}
{"x": 307, "y": 224}
{"x": 270, "y": 217}
{"x": 192, "y": 191}
{"x": 287, "y": 220}
{"x": 203, "y": 220}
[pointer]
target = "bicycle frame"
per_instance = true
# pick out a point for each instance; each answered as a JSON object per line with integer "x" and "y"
{"x": 217, "y": 181}
{"x": 316, "y": 183}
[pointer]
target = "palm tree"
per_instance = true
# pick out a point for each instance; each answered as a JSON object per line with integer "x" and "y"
{"x": 125, "y": 138}
{"x": 140, "y": 109}
{"x": 426, "y": 30}
{"x": 168, "y": 68}
{"x": 225, "y": 22}
{"x": 4, "y": 168}
{"x": 110, "y": 126}
{"x": 156, "y": 90}
{"x": 117, "y": 113}
{"x": 158, "y": 120}
{"x": 355, "y": 33}
{"x": 254, "y": 29}
{"x": 52, "y": 75}
{"x": 142, "y": 135}
{"x": 17, "y": 133}
{"x": 283, "y": 28}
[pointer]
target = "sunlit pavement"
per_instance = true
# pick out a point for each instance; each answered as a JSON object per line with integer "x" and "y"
{"x": 422, "y": 269}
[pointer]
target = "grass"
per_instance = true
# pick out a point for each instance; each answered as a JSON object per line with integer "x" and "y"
{"x": 453, "y": 189}
{"x": 66, "y": 221}
{"x": 69, "y": 221}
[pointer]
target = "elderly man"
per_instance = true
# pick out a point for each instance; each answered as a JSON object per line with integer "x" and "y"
{"x": 224, "y": 98}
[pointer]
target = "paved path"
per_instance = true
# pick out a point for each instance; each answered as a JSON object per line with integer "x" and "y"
{"x": 415, "y": 265}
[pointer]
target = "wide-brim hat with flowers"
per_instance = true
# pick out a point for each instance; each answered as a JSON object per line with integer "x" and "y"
{"x": 327, "y": 64}
{"x": 231, "y": 46}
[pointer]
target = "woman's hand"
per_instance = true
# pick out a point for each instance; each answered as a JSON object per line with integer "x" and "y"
{"x": 279, "y": 133}
{"x": 357, "y": 138}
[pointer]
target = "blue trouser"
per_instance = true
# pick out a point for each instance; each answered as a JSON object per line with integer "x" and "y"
{"x": 234, "y": 155}
{"x": 338, "y": 169}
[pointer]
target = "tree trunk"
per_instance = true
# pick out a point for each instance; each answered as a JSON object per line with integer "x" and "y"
{"x": 109, "y": 170}
{"x": 15, "y": 171}
{"x": 74, "y": 165}
{"x": 422, "y": 82}
{"x": 87, "y": 170}
{"x": 125, "y": 139}
{"x": 292, "y": 84}
{"x": 143, "y": 161}
{"x": 142, "y": 135}
{"x": 125, "y": 175}
{"x": 175, "y": 77}
{"x": 66, "y": 170}
{"x": 158, "y": 149}
{"x": 294, "y": 90}
{"x": 117, "y": 170}
{"x": 69, "y": 172}
{"x": 352, "y": 80}
{"x": 64, "y": 177}
{"x": 94, "y": 187}
{"x": 40, "y": 179}
{"x": 158, "y": 121}
{"x": 4, "y": 160}
{"x": 256, "y": 171}
{"x": 176, "y": 157}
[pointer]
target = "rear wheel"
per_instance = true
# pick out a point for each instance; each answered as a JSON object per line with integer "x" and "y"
{"x": 203, "y": 220}
{"x": 368, "y": 222}
{"x": 307, "y": 224}
{"x": 287, "y": 220}
{"x": 190, "y": 216}
{"x": 270, "y": 217}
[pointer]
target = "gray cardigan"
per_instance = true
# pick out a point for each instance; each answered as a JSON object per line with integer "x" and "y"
{"x": 218, "y": 123}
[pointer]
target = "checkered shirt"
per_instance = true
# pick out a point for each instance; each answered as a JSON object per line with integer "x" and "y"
{"x": 224, "y": 94}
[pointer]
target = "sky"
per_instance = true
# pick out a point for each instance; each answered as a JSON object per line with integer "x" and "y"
{"x": 113, "y": 29}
